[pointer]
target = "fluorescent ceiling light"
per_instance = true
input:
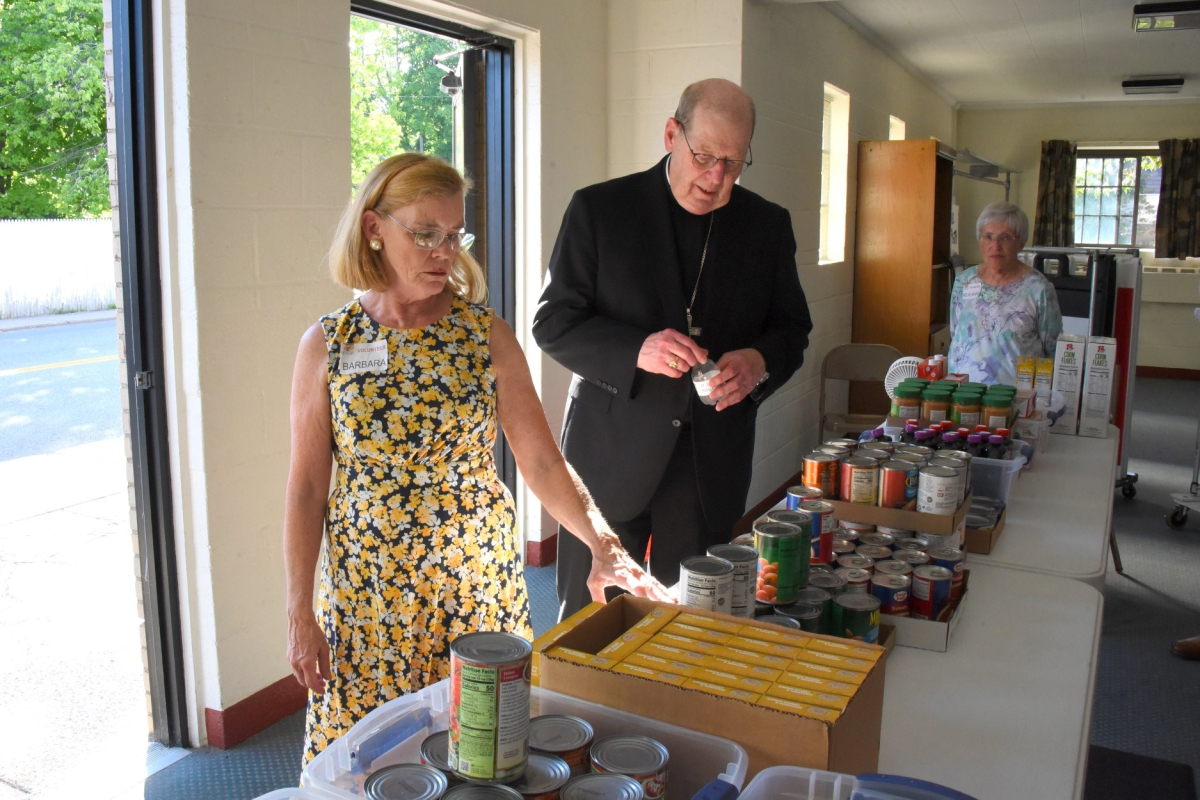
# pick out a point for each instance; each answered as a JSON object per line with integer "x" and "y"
{"x": 1153, "y": 84}
{"x": 1166, "y": 16}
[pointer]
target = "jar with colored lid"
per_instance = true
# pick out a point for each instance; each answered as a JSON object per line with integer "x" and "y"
{"x": 935, "y": 404}
{"x": 907, "y": 404}
{"x": 967, "y": 408}
{"x": 996, "y": 410}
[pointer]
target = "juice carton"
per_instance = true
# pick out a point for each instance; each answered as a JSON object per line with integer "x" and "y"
{"x": 1026, "y": 369}
{"x": 1097, "y": 387}
{"x": 1044, "y": 376}
{"x": 1068, "y": 379}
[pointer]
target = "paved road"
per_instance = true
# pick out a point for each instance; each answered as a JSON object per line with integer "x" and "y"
{"x": 59, "y": 387}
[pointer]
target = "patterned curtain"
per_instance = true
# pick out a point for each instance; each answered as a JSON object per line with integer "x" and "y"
{"x": 1177, "y": 231}
{"x": 1054, "y": 222}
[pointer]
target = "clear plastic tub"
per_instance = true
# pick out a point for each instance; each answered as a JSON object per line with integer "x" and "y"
{"x": 799, "y": 783}
{"x": 296, "y": 794}
{"x": 392, "y": 734}
{"x": 992, "y": 477}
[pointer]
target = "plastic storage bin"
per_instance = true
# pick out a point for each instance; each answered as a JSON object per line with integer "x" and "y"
{"x": 994, "y": 478}
{"x": 296, "y": 794}
{"x": 798, "y": 783}
{"x": 392, "y": 734}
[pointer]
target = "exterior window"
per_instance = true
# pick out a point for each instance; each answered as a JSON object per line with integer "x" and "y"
{"x": 835, "y": 144}
{"x": 1116, "y": 197}
{"x": 896, "y": 128}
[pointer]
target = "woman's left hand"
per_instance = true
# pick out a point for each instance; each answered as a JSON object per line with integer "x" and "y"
{"x": 613, "y": 566}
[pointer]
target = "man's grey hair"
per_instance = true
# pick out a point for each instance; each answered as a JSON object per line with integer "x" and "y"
{"x": 696, "y": 95}
{"x": 1008, "y": 213}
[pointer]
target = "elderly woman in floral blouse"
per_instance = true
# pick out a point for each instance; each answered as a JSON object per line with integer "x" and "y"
{"x": 1001, "y": 309}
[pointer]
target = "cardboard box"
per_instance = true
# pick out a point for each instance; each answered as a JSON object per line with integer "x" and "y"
{"x": 907, "y": 518}
{"x": 1095, "y": 400}
{"x": 770, "y": 736}
{"x": 928, "y": 634}
{"x": 1069, "y": 357}
{"x": 982, "y": 540}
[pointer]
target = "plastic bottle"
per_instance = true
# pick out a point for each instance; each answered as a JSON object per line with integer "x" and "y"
{"x": 996, "y": 447}
{"x": 880, "y": 436}
{"x": 701, "y": 375}
{"x": 973, "y": 445}
{"x": 950, "y": 441}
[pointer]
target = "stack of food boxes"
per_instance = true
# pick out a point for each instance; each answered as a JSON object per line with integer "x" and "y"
{"x": 1083, "y": 372}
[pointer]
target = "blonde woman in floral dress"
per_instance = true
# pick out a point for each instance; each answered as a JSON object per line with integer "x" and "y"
{"x": 402, "y": 389}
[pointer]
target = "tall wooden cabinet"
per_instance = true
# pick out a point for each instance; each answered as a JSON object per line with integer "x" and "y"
{"x": 902, "y": 274}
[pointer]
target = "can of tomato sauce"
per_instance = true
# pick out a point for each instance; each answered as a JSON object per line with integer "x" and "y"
{"x": 897, "y": 483}
{"x": 489, "y": 705}
{"x": 952, "y": 560}
{"x": 892, "y": 591}
{"x": 565, "y": 736}
{"x": 930, "y": 591}
{"x": 638, "y": 757}
{"x": 860, "y": 481}
{"x": 823, "y": 528}
{"x": 821, "y": 472}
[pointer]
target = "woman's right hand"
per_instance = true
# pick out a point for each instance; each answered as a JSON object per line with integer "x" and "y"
{"x": 613, "y": 566}
{"x": 308, "y": 651}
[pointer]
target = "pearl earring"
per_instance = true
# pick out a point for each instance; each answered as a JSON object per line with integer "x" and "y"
{"x": 376, "y": 245}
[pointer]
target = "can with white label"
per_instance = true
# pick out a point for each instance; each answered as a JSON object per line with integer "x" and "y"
{"x": 745, "y": 576}
{"x": 937, "y": 492}
{"x": 706, "y": 583}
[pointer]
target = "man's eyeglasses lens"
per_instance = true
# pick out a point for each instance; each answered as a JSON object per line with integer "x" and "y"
{"x": 705, "y": 161}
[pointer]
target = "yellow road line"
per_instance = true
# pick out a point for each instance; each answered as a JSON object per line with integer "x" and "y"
{"x": 98, "y": 359}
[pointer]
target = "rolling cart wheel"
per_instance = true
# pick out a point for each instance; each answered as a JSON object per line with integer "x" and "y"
{"x": 1129, "y": 491}
{"x": 1177, "y": 518}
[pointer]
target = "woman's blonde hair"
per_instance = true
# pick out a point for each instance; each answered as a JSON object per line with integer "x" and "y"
{"x": 397, "y": 182}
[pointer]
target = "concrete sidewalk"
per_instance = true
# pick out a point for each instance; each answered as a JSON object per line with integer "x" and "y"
{"x": 18, "y": 323}
{"x": 72, "y": 666}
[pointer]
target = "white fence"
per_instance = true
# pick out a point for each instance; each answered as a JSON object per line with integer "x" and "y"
{"x": 52, "y": 266}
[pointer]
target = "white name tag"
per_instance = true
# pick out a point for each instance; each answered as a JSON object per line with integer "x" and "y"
{"x": 364, "y": 357}
{"x": 971, "y": 291}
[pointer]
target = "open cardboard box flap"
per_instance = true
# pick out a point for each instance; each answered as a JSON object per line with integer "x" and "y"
{"x": 907, "y": 518}
{"x": 770, "y": 737}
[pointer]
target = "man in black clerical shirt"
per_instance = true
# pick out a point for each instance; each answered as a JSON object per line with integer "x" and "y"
{"x": 653, "y": 274}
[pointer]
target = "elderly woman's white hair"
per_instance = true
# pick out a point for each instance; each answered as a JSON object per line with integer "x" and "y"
{"x": 1008, "y": 213}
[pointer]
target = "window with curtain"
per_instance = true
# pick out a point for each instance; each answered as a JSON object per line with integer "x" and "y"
{"x": 1177, "y": 233}
{"x": 1116, "y": 197}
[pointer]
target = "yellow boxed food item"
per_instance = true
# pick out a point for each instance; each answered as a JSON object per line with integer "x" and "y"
{"x": 838, "y": 662}
{"x": 745, "y": 670}
{"x": 547, "y": 639}
{"x": 731, "y": 651}
{"x": 823, "y": 699}
{"x": 804, "y": 710}
{"x": 644, "y": 659}
{"x": 623, "y": 645}
{"x": 672, "y": 653}
{"x": 626, "y": 668}
{"x": 684, "y": 643}
{"x": 1026, "y": 372}
{"x": 580, "y": 657}
{"x": 847, "y": 647}
{"x": 729, "y": 679}
{"x": 697, "y": 633}
{"x": 827, "y": 672}
{"x": 817, "y": 684}
{"x": 722, "y": 691}
{"x": 766, "y": 648}
{"x": 1045, "y": 376}
{"x": 721, "y": 625}
{"x": 765, "y": 632}
{"x": 654, "y": 622}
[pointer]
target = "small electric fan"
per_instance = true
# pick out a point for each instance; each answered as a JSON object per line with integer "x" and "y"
{"x": 905, "y": 367}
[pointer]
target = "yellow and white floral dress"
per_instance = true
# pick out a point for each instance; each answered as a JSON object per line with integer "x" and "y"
{"x": 421, "y": 541}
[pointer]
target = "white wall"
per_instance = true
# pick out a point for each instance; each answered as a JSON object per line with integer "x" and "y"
{"x": 53, "y": 265}
{"x": 1168, "y": 335}
{"x": 789, "y": 52}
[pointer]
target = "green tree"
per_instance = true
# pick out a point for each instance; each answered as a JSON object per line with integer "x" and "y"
{"x": 396, "y": 104}
{"x": 52, "y": 109}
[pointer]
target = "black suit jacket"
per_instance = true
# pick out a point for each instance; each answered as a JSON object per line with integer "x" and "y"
{"x": 614, "y": 279}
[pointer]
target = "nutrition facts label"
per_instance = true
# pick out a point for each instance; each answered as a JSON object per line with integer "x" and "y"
{"x": 493, "y": 720}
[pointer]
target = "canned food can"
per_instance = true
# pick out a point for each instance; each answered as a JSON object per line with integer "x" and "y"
{"x": 481, "y": 791}
{"x": 602, "y": 786}
{"x": 823, "y": 528}
{"x": 913, "y": 558}
{"x": 960, "y": 470}
{"x": 860, "y": 481}
{"x": 706, "y": 583}
{"x": 564, "y": 736}
{"x": 858, "y": 528}
{"x": 829, "y": 581}
{"x": 883, "y": 447}
{"x": 874, "y": 552}
{"x": 822, "y": 599}
{"x": 878, "y": 539}
{"x": 489, "y": 705}
{"x": 779, "y": 548}
{"x": 910, "y": 543}
{"x": 782, "y": 620}
{"x": 820, "y": 471}
{"x": 787, "y": 516}
{"x": 763, "y": 608}
{"x": 807, "y": 616}
{"x": 851, "y": 443}
{"x": 843, "y": 547}
{"x": 796, "y": 495}
{"x": 937, "y": 492}
{"x": 953, "y": 560}
{"x": 745, "y": 574}
{"x": 963, "y": 456}
{"x": 840, "y": 453}
{"x": 857, "y": 580}
{"x": 918, "y": 450}
{"x": 857, "y": 616}
{"x": 930, "y": 591}
{"x": 406, "y": 782}
{"x": 638, "y": 757}
{"x": 895, "y": 533}
{"x": 435, "y": 752}
{"x": 878, "y": 456}
{"x": 745, "y": 539}
{"x": 865, "y": 563}
{"x": 892, "y": 591}
{"x": 910, "y": 458}
{"x": 545, "y": 775}
{"x": 933, "y": 541}
{"x": 893, "y": 567}
{"x": 897, "y": 483}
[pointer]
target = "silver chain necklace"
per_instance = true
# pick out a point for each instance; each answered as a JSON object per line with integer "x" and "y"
{"x": 694, "y": 330}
